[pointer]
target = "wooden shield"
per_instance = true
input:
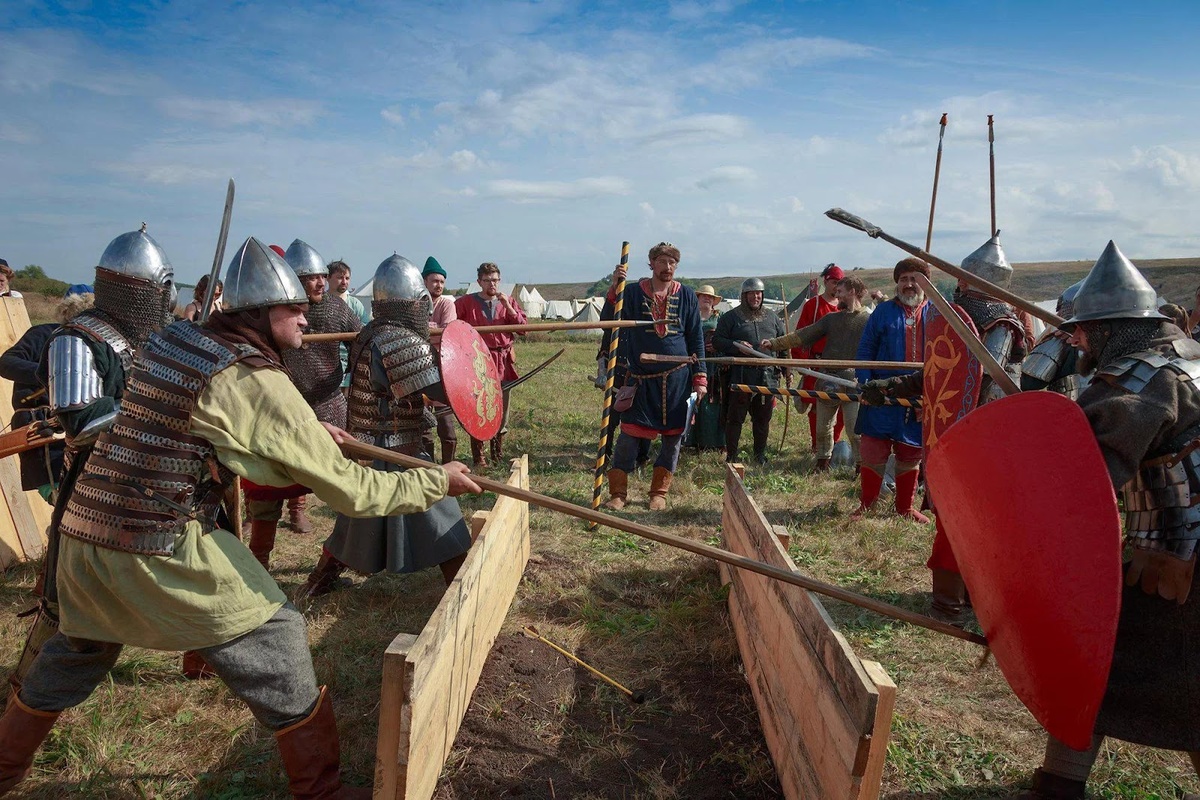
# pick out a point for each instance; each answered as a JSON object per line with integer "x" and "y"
{"x": 1029, "y": 508}
{"x": 952, "y": 375}
{"x": 472, "y": 381}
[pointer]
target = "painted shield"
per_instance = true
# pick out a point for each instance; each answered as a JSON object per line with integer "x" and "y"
{"x": 1029, "y": 507}
{"x": 952, "y": 375}
{"x": 472, "y": 381}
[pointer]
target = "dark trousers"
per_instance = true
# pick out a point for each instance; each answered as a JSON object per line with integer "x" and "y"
{"x": 760, "y": 408}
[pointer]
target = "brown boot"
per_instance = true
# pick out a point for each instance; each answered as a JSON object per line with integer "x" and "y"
{"x": 312, "y": 759}
{"x": 949, "y": 596}
{"x": 262, "y": 540}
{"x": 618, "y": 489}
{"x": 322, "y": 580}
{"x": 1048, "y": 786}
{"x": 498, "y": 448}
{"x": 449, "y": 450}
{"x": 822, "y": 465}
{"x": 22, "y": 731}
{"x": 660, "y": 484}
{"x": 194, "y": 667}
{"x": 478, "y": 461}
{"x": 297, "y": 517}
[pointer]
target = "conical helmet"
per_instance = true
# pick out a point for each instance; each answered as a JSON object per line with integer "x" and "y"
{"x": 304, "y": 259}
{"x": 1065, "y": 306}
{"x": 257, "y": 278}
{"x": 397, "y": 278}
{"x": 136, "y": 255}
{"x": 989, "y": 263}
{"x": 1114, "y": 289}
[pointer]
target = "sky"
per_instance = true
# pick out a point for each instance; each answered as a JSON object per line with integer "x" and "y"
{"x": 540, "y": 135}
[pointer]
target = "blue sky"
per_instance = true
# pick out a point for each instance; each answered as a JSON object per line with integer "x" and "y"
{"x": 540, "y": 135}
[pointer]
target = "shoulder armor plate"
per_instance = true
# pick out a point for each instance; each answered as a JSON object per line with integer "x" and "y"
{"x": 73, "y": 380}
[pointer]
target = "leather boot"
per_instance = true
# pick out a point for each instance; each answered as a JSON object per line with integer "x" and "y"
{"x": 906, "y": 493}
{"x": 322, "y": 580}
{"x": 297, "y": 517}
{"x": 262, "y": 540}
{"x": 1048, "y": 786}
{"x": 312, "y": 759}
{"x": 449, "y": 450}
{"x": 478, "y": 461}
{"x": 194, "y": 667}
{"x": 872, "y": 482}
{"x": 660, "y": 484}
{"x": 949, "y": 596}
{"x": 497, "y": 447}
{"x": 618, "y": 489}
{"x": 22, "y": 731}
{"x": 822, "y": 465}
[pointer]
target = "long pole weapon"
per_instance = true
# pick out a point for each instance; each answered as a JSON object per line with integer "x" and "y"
{"x": 812, "y": 363}
{"x": 977, "y": 348}
{"x": 991, "y": 173}
{"x": 215, "y": 274}
{"x": 787, "y": 380}
{"x": 937, "y": 171}
{"x": 813, "y": 394}
{"x": 524, "y": 327}
{"x": 361, "y": 450}
{"x": 610, "y": 373}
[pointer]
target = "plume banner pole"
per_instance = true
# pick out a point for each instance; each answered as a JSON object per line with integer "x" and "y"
{"x": 991, "y": 172}
{"x": 937, "y": 171}
{"x": 610, "y": 373}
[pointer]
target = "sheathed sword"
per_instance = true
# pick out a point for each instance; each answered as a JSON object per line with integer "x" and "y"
{"x": 215, "y": 274}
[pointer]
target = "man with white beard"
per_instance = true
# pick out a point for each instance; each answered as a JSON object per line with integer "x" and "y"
{"x": 893, "y": 333}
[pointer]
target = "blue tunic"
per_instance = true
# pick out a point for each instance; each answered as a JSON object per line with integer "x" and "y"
{"x": 660, "y": 405}
{"x": 886, "y": 339}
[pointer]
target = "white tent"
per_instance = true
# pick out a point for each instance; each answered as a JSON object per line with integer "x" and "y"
{"x": 532, "y": 302}
{"x": 558, "y": 309}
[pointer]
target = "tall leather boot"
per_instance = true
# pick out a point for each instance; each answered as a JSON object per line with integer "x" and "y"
{"x": 872, "y": 483}
{"x": 262, "y": 540}
{"x": 322, "y": 580}
{"x": 733, "y": 435}
{"x": 449, "y": 450}
{"x": 906, "y": 493}
{"x": 497, "y": 447}
{"x": 618, "y": 489}
{"x": 478, "y": 461}
{"x": 660, "y": 484}
{"x": 312, "y": 758}
{"x": 22, "y": 731}
{"x": 949, "y": 596}
{"x": 296, "y": 515}
{"x": 822, "y": 465}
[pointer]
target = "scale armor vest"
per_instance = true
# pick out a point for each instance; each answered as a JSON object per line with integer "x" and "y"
{"x": 394, "y": 416}
{"x": 1046, "y": 362}
{"x": 1159, "y": 514}
{"x": 148, "y": 477}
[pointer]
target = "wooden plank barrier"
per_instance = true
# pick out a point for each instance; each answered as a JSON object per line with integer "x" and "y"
{"x": 428, "y": 679}
{"x": 825, "y": 714}
{"x": 24, "y": 516}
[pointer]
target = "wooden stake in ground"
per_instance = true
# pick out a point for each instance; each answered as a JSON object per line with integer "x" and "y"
{"x": 609, "y": 374}
{"x": 937, "y": 171}
{"x": 367, "y": 451}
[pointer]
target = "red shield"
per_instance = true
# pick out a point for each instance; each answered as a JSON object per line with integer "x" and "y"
{"x": 952, "y": 375}
{"x": 472, "y": 381}
{"x": 1030, "y": 510}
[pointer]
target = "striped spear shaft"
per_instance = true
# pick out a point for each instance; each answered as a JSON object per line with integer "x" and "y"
{"x": 815, "y": 395}
{"x": 609, "y": 392}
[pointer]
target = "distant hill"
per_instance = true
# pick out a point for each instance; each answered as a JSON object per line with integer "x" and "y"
{"x": 1175, "y": 279}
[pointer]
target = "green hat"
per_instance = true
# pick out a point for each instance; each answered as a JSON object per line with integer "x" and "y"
{"x": 432, "y": 267}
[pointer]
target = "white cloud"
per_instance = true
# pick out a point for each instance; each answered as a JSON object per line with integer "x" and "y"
{"x": 759, "y": 60}
{"x": 726, "y": 175}
{"x": 542, "y": 191}
{"x": 464, "y": 161}
{"x": 17, "y": 133}
{"x": 1167, "y": 167}
{"x": 694, "y": 10}
{"x": 647, "y": 210}
{"x": 458, "y": 161}
{"x": 239, "y": 113}
{"x": 392, "y": 116}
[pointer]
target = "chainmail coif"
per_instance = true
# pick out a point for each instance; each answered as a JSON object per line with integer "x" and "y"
{"x": 134, "y": 307}
{"x": 412, "y": 314}
{"x": 1111, "y": 339}
{"x": 983, "y": 311}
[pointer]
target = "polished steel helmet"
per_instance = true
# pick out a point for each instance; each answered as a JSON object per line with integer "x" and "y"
{"x": 257, "y": 277}
{"x": 1114, "y": 289}
{"x": 989, "y": 263}
{"x": 304, "y": 259}
{"x": 136, "y": 255}
{"x": 1065, "y": 306}
{"x": 397, "y": 278}
{"x": 752, "y": 285}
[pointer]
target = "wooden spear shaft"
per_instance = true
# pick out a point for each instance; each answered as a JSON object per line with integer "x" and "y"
{"x": 819, "y": 363}
{"x": 991, "y": 173}
{"x": 528, "y": 327}
{"x": 610, "y": 372}
{"x": 813, "y": 394}
{"x": 989, "y": 362}
{"x": 937, "y": 171}
{"x": 360, "y": 450}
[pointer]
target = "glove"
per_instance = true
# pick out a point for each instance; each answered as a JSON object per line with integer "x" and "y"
{"x": 1161, "y": 574}
{"x": 875, "y": 392}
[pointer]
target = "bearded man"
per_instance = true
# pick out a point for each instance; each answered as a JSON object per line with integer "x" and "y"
{"x": 142, "y": 561}
{"x": 316, "y": 369}
{"x": 660, "y": 401}
{"x": 892, "y": 334}
{"x": 443, "y": 314}
{"x": 748, "y": 324}
{"x": 490, "y": 306}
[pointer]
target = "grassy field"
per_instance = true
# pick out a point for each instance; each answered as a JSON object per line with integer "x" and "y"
{"x": 651, "y": 617}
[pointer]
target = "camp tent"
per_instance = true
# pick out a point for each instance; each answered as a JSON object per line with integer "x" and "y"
{"x": 558, "y": 309}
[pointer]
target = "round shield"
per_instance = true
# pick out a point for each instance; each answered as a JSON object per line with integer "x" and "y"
{"x": 472, "y": 381}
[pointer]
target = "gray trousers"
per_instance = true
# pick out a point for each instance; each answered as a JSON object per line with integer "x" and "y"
{"x": 270, "y": 669}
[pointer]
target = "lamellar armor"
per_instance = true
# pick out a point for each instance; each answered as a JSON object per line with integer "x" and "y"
{"x": 148, "y": 476}
{"x": 73, "y": 381}
{"x": 1051, "y": 364}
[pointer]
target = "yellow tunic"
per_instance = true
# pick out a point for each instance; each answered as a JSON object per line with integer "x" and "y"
{"x": 212, "y": 590}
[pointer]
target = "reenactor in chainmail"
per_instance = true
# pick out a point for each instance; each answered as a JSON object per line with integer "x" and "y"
{"x": 84, "y": 367}
{"x": 316, "y": 370}
{"x": 1143, "y": 404}
{"x": 145, "y": 560}
{"x": 393, "y": 369}
{"x": 1000, "y": 329}
{"x": 1051, "y": 364}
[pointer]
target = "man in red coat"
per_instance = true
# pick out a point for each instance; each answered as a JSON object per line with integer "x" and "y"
{"x": 813, "y": 309}
{"x": 490, "y": 306}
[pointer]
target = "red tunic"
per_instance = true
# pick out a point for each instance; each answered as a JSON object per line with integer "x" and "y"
{"x": 472, "y": 309}
{"x": 813, "y": 309}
